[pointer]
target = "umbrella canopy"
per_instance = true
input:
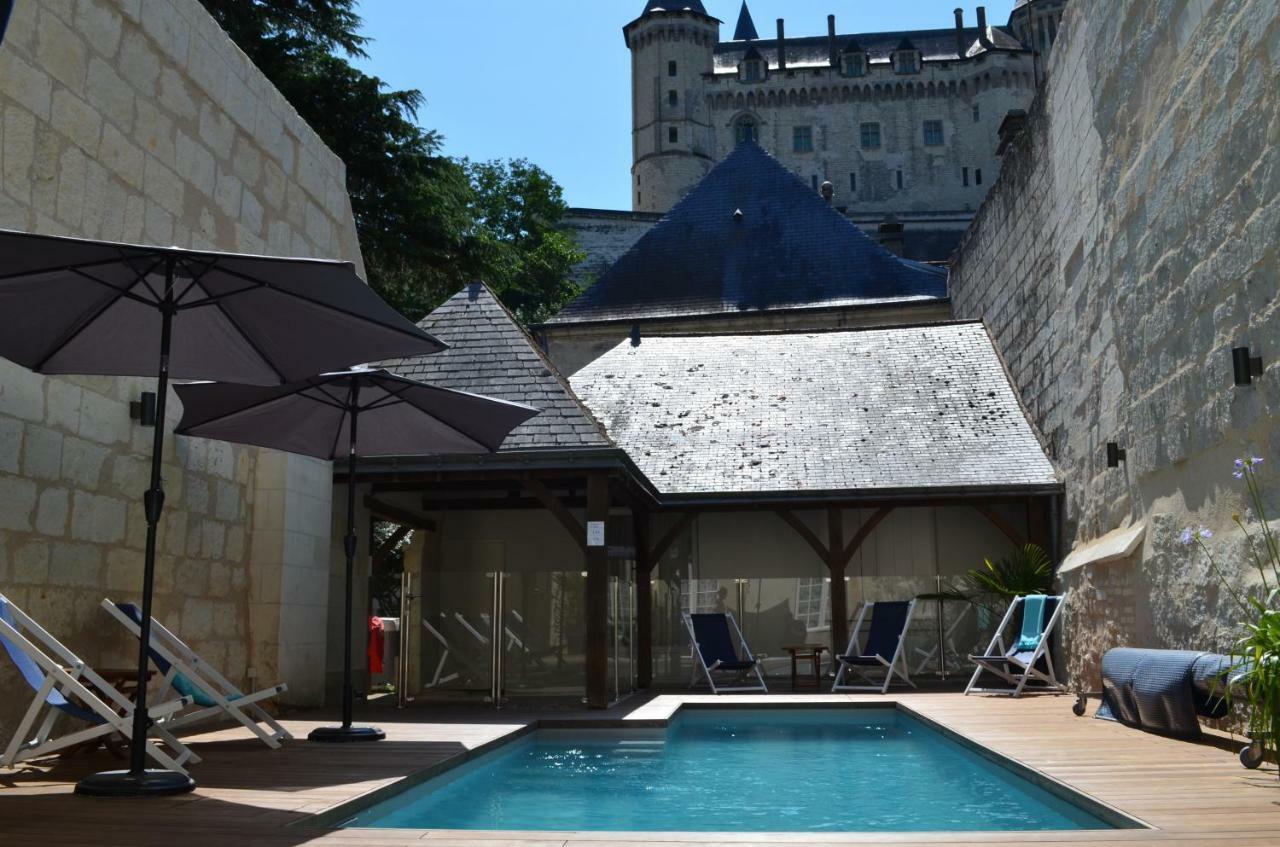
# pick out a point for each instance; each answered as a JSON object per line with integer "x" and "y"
{"x": 74, "y": 306}
{"x": 365, "y": 412}
{"x": 396, "y": 415}
{"x": 94, "y": 307}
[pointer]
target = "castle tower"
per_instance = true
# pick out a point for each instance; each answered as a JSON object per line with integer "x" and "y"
{"x": 672, "y": 45}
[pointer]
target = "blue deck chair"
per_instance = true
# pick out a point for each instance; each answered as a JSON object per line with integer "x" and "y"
{"x": 884, "y": 650}
{"x": 56, "y": 675}
{"x": 212, "y": 694}
{"x": 1023, "y": 662}
{"x": 715, "y": 653}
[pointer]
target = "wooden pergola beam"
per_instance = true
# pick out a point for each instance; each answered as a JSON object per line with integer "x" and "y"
{"x": 386, "y": 548}
{"x": 998, "y": 521}
{"x": 807, "y": 534}
{"x": 864, "y": 532}
{"x": 660, "y": 549}
{"x": 394, "y": 514}
{"x": 561, "y": 513}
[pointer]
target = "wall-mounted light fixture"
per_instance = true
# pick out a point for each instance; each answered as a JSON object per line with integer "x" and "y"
{"x": 1115, "y": 454}
{"x": 144, "y": 410}
{"x": 1246, "y": 367}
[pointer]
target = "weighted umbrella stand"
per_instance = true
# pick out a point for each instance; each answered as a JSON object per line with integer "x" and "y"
{"x": 139, "y": 780}
{"x": 348, "y": 733}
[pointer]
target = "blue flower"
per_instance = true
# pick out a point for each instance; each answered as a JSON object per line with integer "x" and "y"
{"x": 1204, "y": 533}
{"x": 1187, "y": 537}
{"x": 1239, "y": 464}
{"x": 1255, "y": 461}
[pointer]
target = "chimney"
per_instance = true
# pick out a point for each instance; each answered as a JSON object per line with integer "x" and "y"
{"x": 983, "y": 39}
{"x": 782, "y": 45}
{"x": 831, "y": 41}
{"x": 961, "y": 42}
{"x": 890, "y": 235}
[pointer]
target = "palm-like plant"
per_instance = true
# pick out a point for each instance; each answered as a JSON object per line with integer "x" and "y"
{"x": 1026, "y": 571}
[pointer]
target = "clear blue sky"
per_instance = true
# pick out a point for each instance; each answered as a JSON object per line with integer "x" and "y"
{"x": 549, "y": 80}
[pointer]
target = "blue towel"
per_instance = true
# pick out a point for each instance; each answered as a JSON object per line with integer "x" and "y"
{"x": 1032, "y": 622}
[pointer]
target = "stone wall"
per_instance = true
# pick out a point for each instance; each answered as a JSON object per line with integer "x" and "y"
{"x": 139, "y": 120}
{"x": 1128, "y": 246}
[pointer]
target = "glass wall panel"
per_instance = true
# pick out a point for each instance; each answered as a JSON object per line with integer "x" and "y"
{"x": 545, "y": 651}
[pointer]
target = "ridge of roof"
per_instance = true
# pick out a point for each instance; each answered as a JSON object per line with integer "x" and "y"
{"x": 485, "y": 358}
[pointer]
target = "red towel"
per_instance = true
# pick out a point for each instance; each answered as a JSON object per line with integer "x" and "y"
{"x": 377, "y": 639}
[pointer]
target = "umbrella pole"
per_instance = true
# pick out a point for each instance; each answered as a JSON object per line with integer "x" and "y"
{"x": 138, "y": 781}
{"x": 347, "y": 732}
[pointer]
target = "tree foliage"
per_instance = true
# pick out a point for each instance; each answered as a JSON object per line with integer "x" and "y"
{"x": 428, "y": 224}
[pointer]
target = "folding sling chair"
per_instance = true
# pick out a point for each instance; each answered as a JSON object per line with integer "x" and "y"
{"x": 884, "y": 650}
{"x": 439, "y": 677}
{"x": 211, "y": 693}
{"x": 714, "y": 652}
{"x": 57, "y": 675}
{"x": 1019, "y": 664}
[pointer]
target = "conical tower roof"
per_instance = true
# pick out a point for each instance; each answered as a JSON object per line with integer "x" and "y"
{"x": 751, "y": 237}
{"x": 746, "y": 30}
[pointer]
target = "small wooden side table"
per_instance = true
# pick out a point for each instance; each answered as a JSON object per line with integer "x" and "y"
{"x": 806, "y": 652}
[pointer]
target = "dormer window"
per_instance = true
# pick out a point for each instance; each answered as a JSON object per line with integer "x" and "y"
{"x": 853, "y": 61}
{"x": 906, "y": 59}
{"x": 753, "y": 68}
{"x": 746, "y": 129}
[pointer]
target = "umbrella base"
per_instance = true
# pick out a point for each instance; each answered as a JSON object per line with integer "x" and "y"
{"x": 152, "y": 783}
{"x": 346, "y": 734}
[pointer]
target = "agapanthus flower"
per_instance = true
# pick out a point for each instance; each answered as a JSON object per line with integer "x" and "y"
{"x": 1255, "y": 461}
{"x": 1187, "y": 537}
{"x": 1204, "y": 533}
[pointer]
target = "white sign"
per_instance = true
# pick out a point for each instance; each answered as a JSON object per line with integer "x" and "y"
{"x": 595, "y": 533}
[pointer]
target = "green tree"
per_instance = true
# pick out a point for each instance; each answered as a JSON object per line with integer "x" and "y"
{"x": 428, "y": 224}
{"x": 516, "y": 245}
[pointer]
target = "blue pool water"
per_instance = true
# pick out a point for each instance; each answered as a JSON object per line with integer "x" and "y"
{"x": 744, "y": 771}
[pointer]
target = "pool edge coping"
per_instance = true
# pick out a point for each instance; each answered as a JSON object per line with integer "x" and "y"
{"x": 335, "y": 816}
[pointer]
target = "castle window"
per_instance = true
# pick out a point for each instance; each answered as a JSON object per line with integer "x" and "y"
{"x": 753, "y": 70}
{"x": 933, "y": 134}
{"x": 965, "y": 176}
{"x": 673, "y": 97}
{"x": 899, "y": 180}
{"x": 977, "y": 176}
{"x": 673, "y": 135}
{"x": 977, "y": 113}
{"x": 854, "y": 64}
{"x": 745, "y": 130}
{"x": 672, "y": 69}
{"x": 814, "y": 181}
{"x": 871, "y": 136}
{"x": 906, "y": 59}
{"x": 853, "y": 183}
{"x": 802, "y": 139}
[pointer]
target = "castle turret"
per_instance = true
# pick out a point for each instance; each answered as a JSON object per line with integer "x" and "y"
{"x": 672, "y": 45}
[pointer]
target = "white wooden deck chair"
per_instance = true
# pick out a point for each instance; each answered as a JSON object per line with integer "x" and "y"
{"x": 439, "y": 677}
{"x": 1018, "y": 663}
{"x": 714, "y": 652}
{"x": 211, "y": 693}
{"x": 57, "y": 675}
{"x": 885, "y": 649}
{"x": 948, "y": 642}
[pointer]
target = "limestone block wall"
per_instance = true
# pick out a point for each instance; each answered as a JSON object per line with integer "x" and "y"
{"x": 1128, "y": 246}
{"x": 139, "y": 120}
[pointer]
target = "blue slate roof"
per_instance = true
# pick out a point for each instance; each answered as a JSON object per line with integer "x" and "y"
{"x": 746, "y": 30}
{"x": 935, "y": 45}
{"x": 787, "y": 249}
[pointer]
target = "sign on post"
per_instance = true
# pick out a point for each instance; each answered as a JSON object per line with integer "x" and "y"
{"x": 595, "y": 533}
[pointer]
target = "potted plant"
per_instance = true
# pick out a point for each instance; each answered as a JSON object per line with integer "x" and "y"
{"x": 1255, "y": 675}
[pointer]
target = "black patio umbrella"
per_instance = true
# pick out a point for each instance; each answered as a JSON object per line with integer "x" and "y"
{"x": 361, "y": 412}
{"x": 73, "y": 306}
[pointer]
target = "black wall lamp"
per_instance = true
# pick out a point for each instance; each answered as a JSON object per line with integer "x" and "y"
{"x": 144, "y": 411}
{"x": 1246, "y": 367}
{"x": 1115, "y": 454}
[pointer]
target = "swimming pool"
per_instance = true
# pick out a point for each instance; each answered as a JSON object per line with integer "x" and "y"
{"x": 819, "y": 770}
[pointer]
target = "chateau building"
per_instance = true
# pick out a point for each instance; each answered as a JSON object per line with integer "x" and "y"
{"x": 904, "y": 125}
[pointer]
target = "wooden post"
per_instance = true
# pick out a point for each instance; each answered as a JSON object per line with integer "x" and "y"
{"x": 596, "y": 602}
{"x": 836, "y": 562}
{"x": 644, "y": 599}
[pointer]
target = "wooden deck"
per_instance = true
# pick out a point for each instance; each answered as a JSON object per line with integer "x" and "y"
{"x": 248, "y": 795}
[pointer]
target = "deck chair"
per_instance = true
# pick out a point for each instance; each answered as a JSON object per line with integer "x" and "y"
{"x": 182, "y": 670}
{"x": 1024, "y": 663}
{"x": 715, "y": 653}
{"x": 884, "y": 651}
{"x": 57, "y": 675}
{"x": 446, "y": 650}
